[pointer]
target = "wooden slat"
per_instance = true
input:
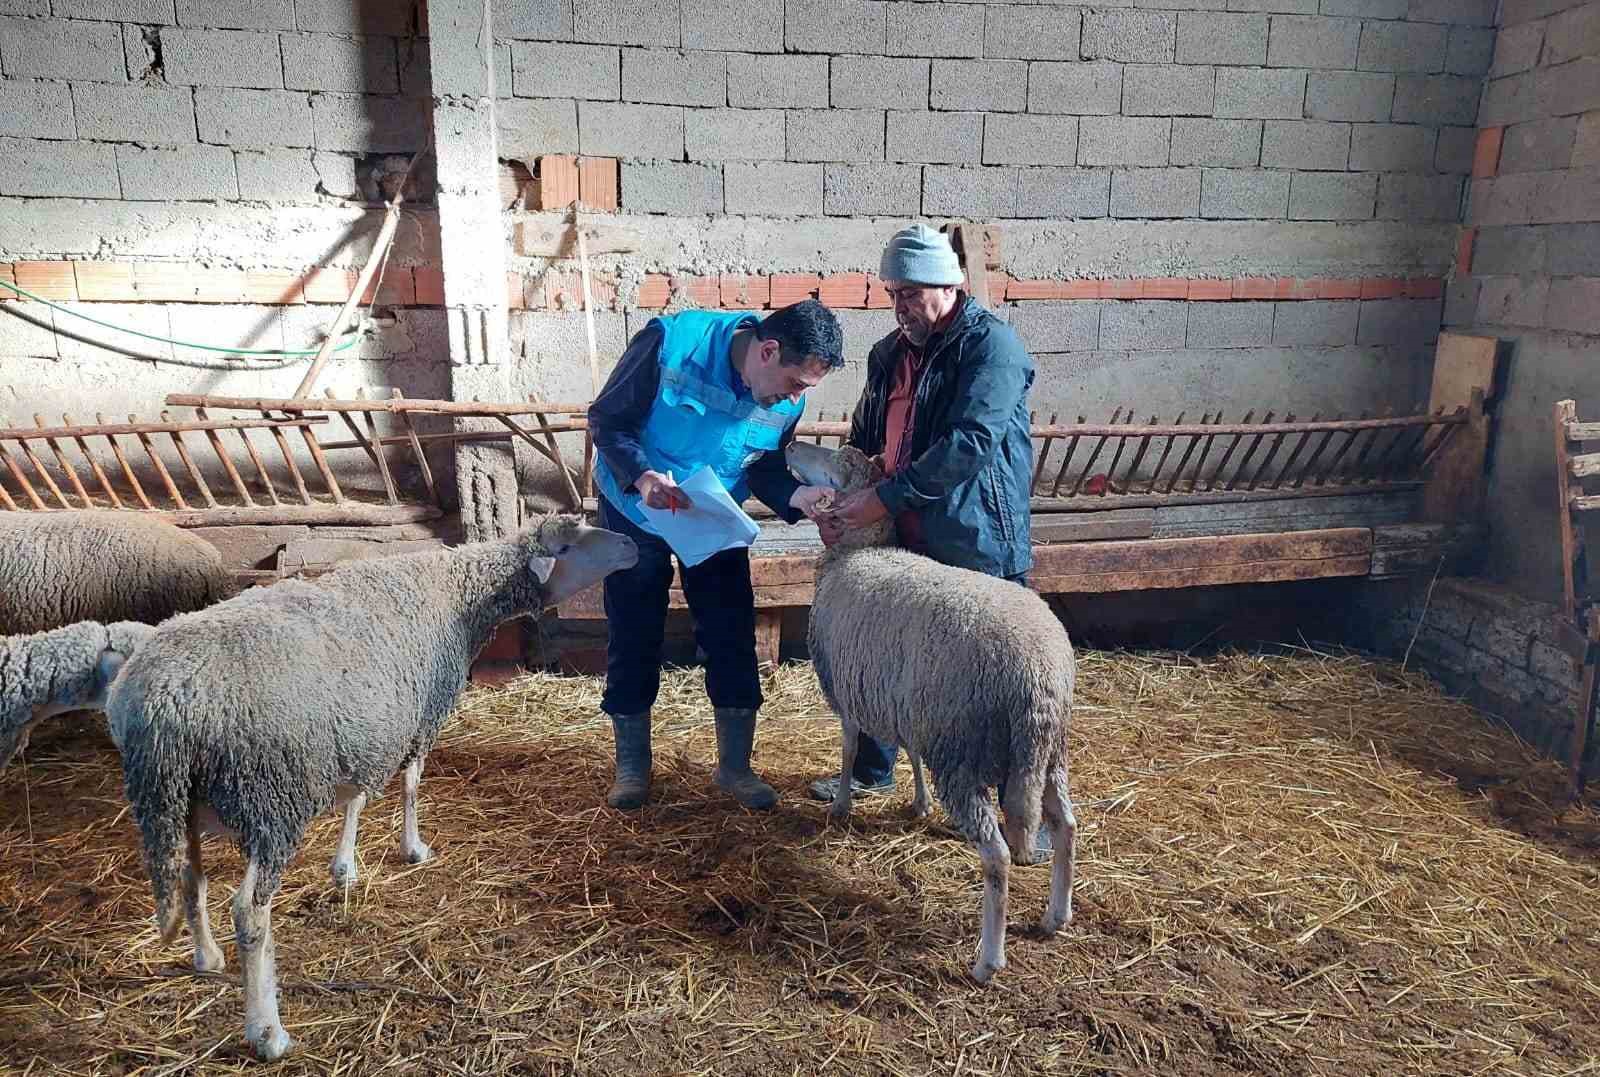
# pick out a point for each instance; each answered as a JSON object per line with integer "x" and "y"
{"x": 1566, "y": 412}
{"x": 1092, "y": 526}
{"x": 374, "y": 452}
{"x": 94, "y": 466}
{"x": 1584, "y": 502}
{"x": 394, "y": 404}
{"x": 1584, "y": 466}
{"x": 66, "y": 465}
{"x": 21, "y": 479}
{"x": 1162, "y": 462}
{"x": 135, "y": 427}
{"x": 288, "y": 462}
{"x": 322, "y": 465}
{"x": 44, "y": 475}
{"x": 261, "y": 468}
{"x": 1260, "y": 432}
{"x": 227, "y": 462}
{"x": 122, "y": 462}
{"x": 1586, "y": 702}
{"x": 1577, "y": 431}
{"x": 188, "y": 462}
{"x": 349, "y": 514}
{"x": 1194, "y": 441}
{"x": 417, "y": 451}
{"x": 1096, "y": 567}
{"x": 161, "y": 468}
{"x": 5, "y": 499}
{"x": 1462, "y": 363}
{"x": 1093, "y": 456}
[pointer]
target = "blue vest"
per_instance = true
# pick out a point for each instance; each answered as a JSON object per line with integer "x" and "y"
{"x": 703, "y": 414}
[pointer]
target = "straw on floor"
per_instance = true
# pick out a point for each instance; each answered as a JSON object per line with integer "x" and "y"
{"x": 1301, "y": 863}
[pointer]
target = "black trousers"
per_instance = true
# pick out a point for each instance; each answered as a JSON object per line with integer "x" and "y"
{"x": 721, "y": 600}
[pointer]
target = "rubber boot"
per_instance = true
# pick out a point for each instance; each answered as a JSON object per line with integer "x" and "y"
{"x": 631, "y": 787}
{"x": 736, "y": 732}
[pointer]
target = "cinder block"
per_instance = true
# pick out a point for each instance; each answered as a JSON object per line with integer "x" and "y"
{"x": 1352, "y": 96}
{"x": 1031, "y": 33}
{"x": 1572, "y": 34}
{"x": 853, "y": 135}
{"x": 1258, "y": 94}
{"x": 1569, "y": 89}
{"x": 1047, "y": 326}
{"x": 1155, "y": 192}
{"x": 62, "y": 49}
{"x": 1461, "y": 301}
{"x": 872, "y": 190}
{"x": 1541, "y": 146}
{"x": 29, "y": 333}
{"x": 670, "y": 77}
{"x": 835, "y": 26}
{"x": 161, "y": 115}
{"x": 1286, "y": 7}
{"x": 1211, "y": 38}
{"x": 343, "y": 17}
{"x": 1436, "y": 100}
{"x": 40, "y": 169}
{"x": 935, "y": 30}
{"x": 349, "y": 64}
{"x": 1514, "y": 301}
{"x": 232, "y": 14}
{"x": 1575, "y": 305}
{"x": 1030, "y": 140}
{"x": 1455, "y": 150}
{"x": 191, "y": 173}
{"x": 733, "y": 134}
{"x": 1152, "y": 90}
{"x": 878, "y": 82}
{"x": 1219, "y": 143}
{"x": 1120, "y": 140}
{"x": 36, "y": 110}
{"x": 1510, "y": 100}
{"x": 672, "y": 187}
{"x": 736, "y": 25}
{"x": 550, "y": 69}
{"x": 980, "y": 85}
{"x": 1383, "y": 147}
{"x": 1459, "y": 12}
{"x": 1372, "y": 9}
{"x": 935, "y": 137}
{"x": 25, "y": 7}
{"x": 222, "y": 58}
{"x": 608, "y": 129}
{"x": 1137, "y": 37}
{"x": 1399, "y": 321}
{"x": 1314, "y": 42}
{"x": 281, "y": 175}
{"x": 1315, "y": 324}
{"x": 626, "y": 22}
{"x": 1237, "y": 194}
{"x": 1509, "y": 251}
{"x": 142, "y": 11}
{"x": 354, "y": 123}
{"x": 1331, "y": 196}
{"x": 1402, "y": 47}
{"x": 1312, "y": 145}
{"x": 1064, "y": 192}
{"x": 970, "y": 192}
{"x": 551, "y": 20}
{"x": 1143, "y": 325}
{"x": 1517, "y": 49}
{"x": 253, "y": 118}
{"x": 1419, "y": 198}
{"x": 1230, "y": 325}
{"x": 1470, "y": 52}
{"x": 1574, "y": 251}
{"x": 1078, "y": 89}
{"x": 773, "y": 189}
{"x": 1586, "y": 148}
{"x": 778, "y": 81}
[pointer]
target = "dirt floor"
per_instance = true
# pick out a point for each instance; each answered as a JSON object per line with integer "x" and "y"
{"x": 1291, "y": 864}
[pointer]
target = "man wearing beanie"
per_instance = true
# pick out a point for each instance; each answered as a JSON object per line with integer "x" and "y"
{"x": 946, "y": 407}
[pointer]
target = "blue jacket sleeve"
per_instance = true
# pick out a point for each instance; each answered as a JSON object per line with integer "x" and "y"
{"x": 990, "y": 384}
{"x": 618, "y": 414}
{"x": 770, "y": 480}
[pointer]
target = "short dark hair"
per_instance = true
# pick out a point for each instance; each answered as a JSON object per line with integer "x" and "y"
{"x": 806, "y": 330}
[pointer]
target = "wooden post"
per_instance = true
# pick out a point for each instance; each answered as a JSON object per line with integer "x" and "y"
{"x": 769, "y": 636}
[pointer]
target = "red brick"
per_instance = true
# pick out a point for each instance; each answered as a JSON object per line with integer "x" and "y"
{"x": 1165, "y": 288}
{"x": 522, "y": 294}
{"x": 844, "y": 290}
{"x": 558, "y": 181}
{"x": 322, "y": 284}
{"x": 107, "y": 282}
{"x": 1302, "y": 289}
{"x": 703, "y": 292}
{"x": 1211, "y": 289}
{"x": 654, "y": 291}
{"x": 602, "y": 290}
{"x": 1033, "y": 289}
{"x": 877, "y": 295}
{"x": 1080, "y": 289}
{"x": 397, "y": 288}
{"x": 1254, "y": 288}
{"x": 1382, "y": 287}
{"x": 1119, "y": 289}
{"x": 1464, "y": 247}
{"x": 999, "y": 284}
{"x": 744, "y": 292}
{"x": 1425, "y": 288}
{"x": 47, "y": 280}
{"x": 430, "y": 286}
{"x": 789, "y": 288}
{"x": 1336, "y": 288}
{"x": 1486, "y": 156}
{"x": 6, "y": 274}
{"x": 598, "y": 185}
{"x": 185, "y": 282}
{"x": 275, "y": 287}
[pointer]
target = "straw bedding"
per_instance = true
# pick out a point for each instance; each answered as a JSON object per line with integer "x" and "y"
{"x": 1296, "y": 863}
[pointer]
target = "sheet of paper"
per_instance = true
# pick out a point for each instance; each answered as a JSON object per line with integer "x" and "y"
{"x": 714, "y": 523}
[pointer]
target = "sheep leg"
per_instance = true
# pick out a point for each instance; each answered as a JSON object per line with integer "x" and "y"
{"x": 849, "y": 733}
{"x": 411, "y": 846}
{"x": 207, "y": 954}
{"x": 343, "y": 867}
{"x": 252, "y": 925}
{"x": 920, "y": 805}
{"x": 1063, "y": 830}
{"x": 996, "y": 858}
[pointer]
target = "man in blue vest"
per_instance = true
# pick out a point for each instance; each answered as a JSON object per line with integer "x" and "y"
{"x": 722, "y": 390}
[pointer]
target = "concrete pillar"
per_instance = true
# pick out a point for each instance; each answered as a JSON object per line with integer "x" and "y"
{"x": 472, "y": 246}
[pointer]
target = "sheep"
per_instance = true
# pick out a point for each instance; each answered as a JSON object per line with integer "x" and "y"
{"x": 59, "y": 568}
{"x": 971, "y": 674}
{"x": 46, "y": 673}
{"x": 251, "y": 717}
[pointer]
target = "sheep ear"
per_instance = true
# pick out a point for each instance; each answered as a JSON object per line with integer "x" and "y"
{"x": 542, "y": 567}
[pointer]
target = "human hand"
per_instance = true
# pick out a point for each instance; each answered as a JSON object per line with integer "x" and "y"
{"x": 879, "y": 461}
{"x": 859, "y": 509}
{"x": 830, "y": 531}
{"x": 811, "y": 500}
{"x": 661, "y": 492}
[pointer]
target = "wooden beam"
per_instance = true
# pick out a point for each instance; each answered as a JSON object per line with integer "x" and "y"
{"x": 349, "y": 514}
{"x": 1585, "y": 466}
{"x": 1577, "y": 431}
{"x": 1567, "y": 496}
{"x": 769, "y": 636}
{"x": 397, "y": 404}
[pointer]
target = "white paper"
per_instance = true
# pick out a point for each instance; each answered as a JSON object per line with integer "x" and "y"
{"x": 714, "y": 523}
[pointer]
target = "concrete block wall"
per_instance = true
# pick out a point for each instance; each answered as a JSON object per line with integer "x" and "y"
{"x": 1532, "y": 263}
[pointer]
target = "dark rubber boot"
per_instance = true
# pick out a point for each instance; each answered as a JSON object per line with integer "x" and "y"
{"x": 631, "y": 787}
{"x": 736, "y": 732}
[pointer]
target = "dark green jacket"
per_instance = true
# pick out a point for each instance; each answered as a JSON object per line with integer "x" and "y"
{"x": 971, "y": 464}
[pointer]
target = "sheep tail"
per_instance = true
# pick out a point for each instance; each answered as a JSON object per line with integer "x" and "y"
{"x": 1037, "y": 742}
{"x": 156, "y": 780}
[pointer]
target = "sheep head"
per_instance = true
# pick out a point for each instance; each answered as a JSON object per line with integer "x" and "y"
{"x": 567, "y": 555}
{"x": 845, "y": 469}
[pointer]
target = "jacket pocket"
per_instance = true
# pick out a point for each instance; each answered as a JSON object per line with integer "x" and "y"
{"x": 996, "y": 502}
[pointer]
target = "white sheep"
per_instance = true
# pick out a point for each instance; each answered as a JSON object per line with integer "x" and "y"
{"x": 47, "y": 673}
{"x": 971, "y": 674}
{"x": 59, "y": 568}
{"x": 252, "y": 717}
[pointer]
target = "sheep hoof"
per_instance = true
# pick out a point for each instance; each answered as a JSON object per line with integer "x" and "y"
{"x": 343, "y": 872}
{"x": 839, "y": 812}
{"x": 921, "y": 809}
{"x": 1051, "y": 922}
{"x": 210, "y": 960}
{"x": 418, "y": 854}
{"x": 270, "y": 1043}
{"x": 984, "y": 971}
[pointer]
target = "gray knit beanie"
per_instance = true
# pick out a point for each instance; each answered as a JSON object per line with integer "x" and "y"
{"x": 920, "y": 255}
